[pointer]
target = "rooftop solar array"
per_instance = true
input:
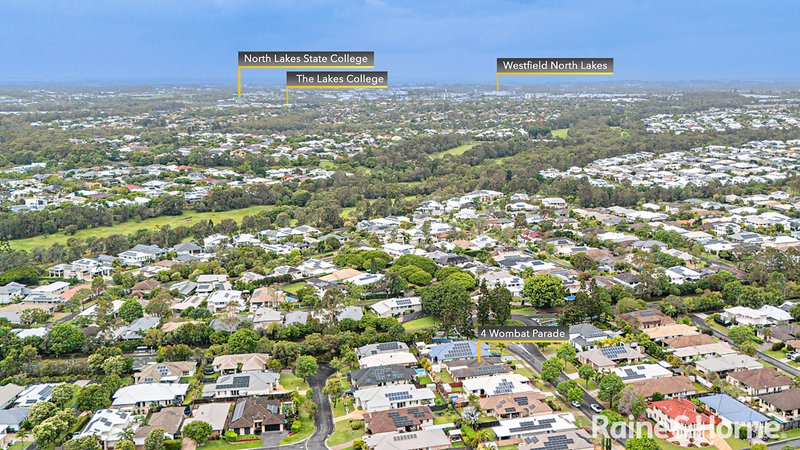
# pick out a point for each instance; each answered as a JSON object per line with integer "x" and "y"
{"x": 460, "y": 350}
{"x": 403, "y": 302}
{"x": 631, "y": 375}
{"x": 162, "y": 369}
{"x": 614, "y": 352}
{"x": 397, "y": 396}
{"x": 405, "y": 436}
{"x": 557, "y": 442}
{"x": 530, "y": 425}
{"x": 383, "y": 346}
{"x": 504, "y": 387}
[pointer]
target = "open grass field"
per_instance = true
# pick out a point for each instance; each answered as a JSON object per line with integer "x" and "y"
{"x": 560, "y": 133}
{"x": 186, "y": 219}
{"x": 453, "y": 151}
{"x": 420, "y": 324}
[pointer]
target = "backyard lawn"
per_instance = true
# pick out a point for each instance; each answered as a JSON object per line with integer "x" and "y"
{"x": 291, "y": 382}
{"x": 420, "y": 324}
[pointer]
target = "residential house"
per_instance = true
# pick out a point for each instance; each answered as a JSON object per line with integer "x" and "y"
{"x": 784, "y": 405}
{"x": 380, "y": 376}
{"x": 679, "y": 418}
{"x": 381, "y": 347}
{"x": 138, "y": 398}
{"x": 267, "y": 297}
{"x": 165, "y": 372}
{"x": 264, "y": 317}
{"x": 397, "y": 307}
{"x": 463, "y": 369}
{"x": 766, "y": 315}
{"x": 214, "y": 414}
{"x": 646, "y": 318}
{"x": 604, "y": 359}
{"x": 630, "y": 374}
{"x": 219, "y": 300}
{"x": 723, "y": 365}
{"x": 167, "y": 419}
{"x": 669, "y": 387}
{"x": 762, "y": 381}
{"x": 572, "y": 440}
{"x": 456, "y": 350}
{"x": 512, "y": 406}
{"x": 736, "y": 414}
{"x": 243, "y": 362}
{"x": 256, "y": 415}
{"x": 384, "y": 359}
{"x": 510, "y": 383}
{"x": 108, "y": 426}
{"x": 429, "y": 439}
{"x": 535, "y": 425}
{"x": 404, "y": 420}
{"x": 585, "y": 336}
{"x": 392, "y": 397}
{"x": 243, "y": 385}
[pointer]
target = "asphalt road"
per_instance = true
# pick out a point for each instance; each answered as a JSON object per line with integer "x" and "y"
{"x": 323, "y": 419}
{"x": 761, "y": 355}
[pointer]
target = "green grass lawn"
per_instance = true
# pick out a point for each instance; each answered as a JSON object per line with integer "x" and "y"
{"x": 18, "y": 445}
{"x": 188, "y": 218}
{"x": 453, "y": 151}
{"x": 445, "y": 377}
{"x": 420, "y": 324}
{"x": 220, "y": 444}
{"x": 523, "y": 310}
{"x": 306, "y": 430}
{"x": 292, "y": 383}
{"x": 560, "y": 133}
{"x": 344, "y": 433}
{"x": 294, "y": 288}
{"x": 338, "y": 408}
{"x": 444, "y": 417}
{"x": 425, "y": 380}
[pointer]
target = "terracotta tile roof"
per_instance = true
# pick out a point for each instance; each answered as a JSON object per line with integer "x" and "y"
{"x": 681, "y": 410}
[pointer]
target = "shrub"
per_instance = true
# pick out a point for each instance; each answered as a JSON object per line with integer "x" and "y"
{"x": 231, "y": 436}
{"x": 296, "y": 426}
{"x": 778, "y": 346}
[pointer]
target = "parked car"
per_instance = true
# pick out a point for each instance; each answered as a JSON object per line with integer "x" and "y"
{"x": 792, "y": 356}
{"x": 596, "y": 408}
{"x": 576, "y": 404}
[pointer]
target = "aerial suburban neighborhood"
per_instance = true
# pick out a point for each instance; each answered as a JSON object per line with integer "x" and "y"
{"x": 441, "y": 234}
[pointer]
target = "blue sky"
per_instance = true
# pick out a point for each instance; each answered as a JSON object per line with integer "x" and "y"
{"x": 428, "y": 41}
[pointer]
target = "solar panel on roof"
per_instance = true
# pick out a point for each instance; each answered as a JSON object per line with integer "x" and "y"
{"x": 240, "y": 382}
{"x": 395, "y": 396}
{"x": 388, "y": 346}
{"x": 162, "y": 369}
{"x": 522, "y": 401}
{"x": 404, "y": 436}
{"x": 613, "y": 352}
{"x": 403, "y": 302}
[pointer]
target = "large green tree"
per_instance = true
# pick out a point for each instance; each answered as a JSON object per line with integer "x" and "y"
{"x": 544, "y": 291}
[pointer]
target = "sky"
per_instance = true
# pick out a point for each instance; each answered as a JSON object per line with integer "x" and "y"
{"x": 416, "y": 41}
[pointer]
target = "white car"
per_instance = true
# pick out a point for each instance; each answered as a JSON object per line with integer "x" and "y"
{"x": 576, "y": 404}
{"x": 596, "y": 408}
{"x": 792, "y": 356}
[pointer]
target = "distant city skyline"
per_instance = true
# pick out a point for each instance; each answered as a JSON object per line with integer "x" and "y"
{"x": 196, "y": 41}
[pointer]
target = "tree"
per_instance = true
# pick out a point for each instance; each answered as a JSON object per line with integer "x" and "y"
{"x": 564, "y": 387}
{"x": 198, "y": 431}
{"x": 333, "y": 389}
{"x": 631, "y": 403}
{"x": 159, "y": 305}
{"x": 130, "y": 310}
{"x": 551, "y": 369}
{"x": 471, "y": 415}
{"x": 41, "y": 411}
{"x": 586, "y": 372}
{"x": 484, "y": 309}
{"x": 566, "y": 352}
{"x": 642, "y": 443}
{"x": 63, "y": 394}
{"x": 64, "y": 338}
{"x": 92, "y": 398}
{"x": 544, "y": 291}
{"x": 244, "y": 340}
{"x": 125, "y": 444}
{"x": 742, "y": 334}
{"x": 610, "y": 385}
{"x": 575, "y": 394}
{"x": 359, "y": 444}
{"x": 84, "y": 443}
{"x": 306, "y": 367}
{"x": 629, "y": 304}
{"x": 451, "y": 304}
{"x": 154, "y": 440}
{"x": 501, "y": 304}
{"x": 583, "y": 262}
{"x": 119, "y": 365}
